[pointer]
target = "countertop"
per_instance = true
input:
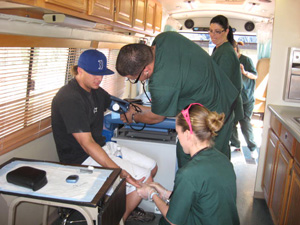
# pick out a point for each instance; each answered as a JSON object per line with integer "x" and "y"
{"x": 285, "y": 115}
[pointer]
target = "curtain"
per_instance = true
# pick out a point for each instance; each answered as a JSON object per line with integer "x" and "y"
{"x": 264, "y": 39}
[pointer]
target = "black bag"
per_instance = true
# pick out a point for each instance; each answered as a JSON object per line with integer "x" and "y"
{"x": 28, "y": 177}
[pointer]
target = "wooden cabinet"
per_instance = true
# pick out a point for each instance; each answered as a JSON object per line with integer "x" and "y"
{"x": 139, "y": 14}
{"x": 142, "y": 16}
{"x": 281, "y": 178}
{"x": 78, "y": 5}
{"x": 124, "y": 12}
{"x": 139, "y": 19}
{"x": 119, "y": 11}
{"x": 158, "y": 17}
{"x": 281, "y": 183}
{"x": 287, "y": 140}
{"x": 269, "y": 164}
{"x": 150, "y": 13}
{"x": 293, "y": 209}
{"x": 104, "y": 9}
{"x": 275, "y": 125}
{"x": 153, "y": 16}
{"x": 297, "y": 152}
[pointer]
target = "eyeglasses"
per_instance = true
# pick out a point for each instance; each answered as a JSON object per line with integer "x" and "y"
{"x": 216, "y": 31}
{"x": 186, "y": 115}
{"x": 137, "y": 79}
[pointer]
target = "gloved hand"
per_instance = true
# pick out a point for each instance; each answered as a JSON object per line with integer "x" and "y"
{"x": 145, "y": 191}
{"x": 160, "y": 189}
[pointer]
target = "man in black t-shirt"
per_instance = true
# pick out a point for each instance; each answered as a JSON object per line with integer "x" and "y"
{"x": 77, "y": 123}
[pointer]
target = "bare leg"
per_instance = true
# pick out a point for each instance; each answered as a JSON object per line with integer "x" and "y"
{"x": 133, "y": 199}
{"x": 153, "y": 172}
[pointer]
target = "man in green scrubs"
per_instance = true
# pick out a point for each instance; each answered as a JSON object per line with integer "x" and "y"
{"x": 180, "y": 72}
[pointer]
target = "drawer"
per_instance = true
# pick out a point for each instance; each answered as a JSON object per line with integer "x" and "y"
{"x": 287, "y": 140}
{"x": 275, "y": 125}
{"x": 273, "y": 137}
{"x": 297, "y": 153}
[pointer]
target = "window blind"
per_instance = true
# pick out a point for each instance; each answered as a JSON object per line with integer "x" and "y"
{"x": 113, "y": 84}
{"x": 30, "y": 78}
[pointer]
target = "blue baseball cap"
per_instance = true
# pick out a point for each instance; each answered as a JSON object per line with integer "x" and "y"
{"x": 94, "y": 62}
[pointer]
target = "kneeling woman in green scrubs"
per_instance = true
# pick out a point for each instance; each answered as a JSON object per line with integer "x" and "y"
{"x": 205, "y": 188}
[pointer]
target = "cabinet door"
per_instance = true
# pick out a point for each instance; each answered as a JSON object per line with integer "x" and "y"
{"x": 102, "y": 8}
{"x": 139, "y": 14}
{"x": 297, "y": 152}
{"x": 150, "y": 13}
{"x": 269, "y": 164}
{"x": 78, "y": 5}
{"x": 293, "y": 210}
{"x": 124, "y": 12}
{"x": 158, "y": 17}
{"x": 275, "y": 124}
{"x": 281, "y": 184}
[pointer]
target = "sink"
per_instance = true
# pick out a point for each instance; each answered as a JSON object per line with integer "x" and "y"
{"x": 297, "y": 119}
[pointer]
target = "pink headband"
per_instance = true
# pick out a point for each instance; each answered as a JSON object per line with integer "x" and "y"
{"x": 186, "y": 115}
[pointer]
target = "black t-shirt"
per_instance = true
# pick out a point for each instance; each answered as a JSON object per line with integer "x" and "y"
{"x": 74, "y": 110}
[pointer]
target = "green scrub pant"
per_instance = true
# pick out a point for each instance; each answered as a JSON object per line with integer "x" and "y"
{"x": 221, "y": 143}
{"x": 246, "y": 128}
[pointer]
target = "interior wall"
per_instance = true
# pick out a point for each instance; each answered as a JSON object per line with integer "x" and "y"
{"x": 286, "y": 33}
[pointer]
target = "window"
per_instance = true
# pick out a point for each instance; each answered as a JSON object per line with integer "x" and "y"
{"x": 250, "y": 46}
{"x": 30, "y": 78}
{"x": 203, "y": 39}
{"x": 114, "y": 84}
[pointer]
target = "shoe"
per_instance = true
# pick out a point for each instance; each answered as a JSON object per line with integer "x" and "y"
{"x": 254, "y": 154}
{"x": 139, "y": 214}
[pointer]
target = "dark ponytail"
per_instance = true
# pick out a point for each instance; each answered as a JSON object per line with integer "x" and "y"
{"x": 230, "y": 36}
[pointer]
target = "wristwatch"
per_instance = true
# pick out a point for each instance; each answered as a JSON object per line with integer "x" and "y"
{"x": 152, "y": 194}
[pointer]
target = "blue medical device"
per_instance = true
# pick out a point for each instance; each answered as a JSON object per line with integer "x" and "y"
{"x": 118, "y": 105}
{"x": 72, "y": 179}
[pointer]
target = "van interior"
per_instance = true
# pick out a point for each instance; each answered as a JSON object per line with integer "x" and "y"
{"x": 42, "y": 39}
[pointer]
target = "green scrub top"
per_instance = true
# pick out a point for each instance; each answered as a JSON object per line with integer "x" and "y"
{"x": 184, "y": 73}
{"x": 227, "y": 59}
{"x": 204, "y": 192}
{"x": 248, "y": 84}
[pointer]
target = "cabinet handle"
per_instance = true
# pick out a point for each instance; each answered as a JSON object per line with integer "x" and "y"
{"x": 285, "y": 135}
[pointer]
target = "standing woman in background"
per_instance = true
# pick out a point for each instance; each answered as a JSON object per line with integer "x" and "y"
{"x": 221, "y": 35}
{"x": 249, "y": 75}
